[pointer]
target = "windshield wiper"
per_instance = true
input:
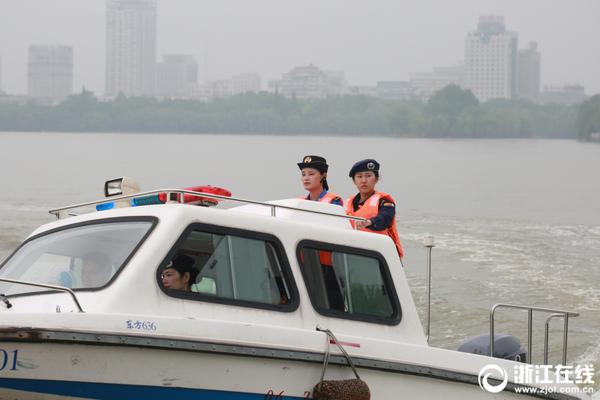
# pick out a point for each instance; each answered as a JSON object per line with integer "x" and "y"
{"x": 5, "y": 300}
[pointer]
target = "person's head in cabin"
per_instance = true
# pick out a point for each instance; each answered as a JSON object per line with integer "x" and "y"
{"x": 179, "y": 274}
{"x": 96, "y": 270}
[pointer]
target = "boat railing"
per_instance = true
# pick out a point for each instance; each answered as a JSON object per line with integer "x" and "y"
{"x": 428, "y": 243}
{"x": 553, "y": 314}
{"x": 177, "y": 196}
{"x": 43, "y": 285}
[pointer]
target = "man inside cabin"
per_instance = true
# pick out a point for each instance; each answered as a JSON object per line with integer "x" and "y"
{"x": 96, "y": 270}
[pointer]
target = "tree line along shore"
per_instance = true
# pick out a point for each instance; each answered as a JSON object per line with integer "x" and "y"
{"x": 450, "y": 113}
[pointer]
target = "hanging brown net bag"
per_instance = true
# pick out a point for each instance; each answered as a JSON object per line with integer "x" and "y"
{"x": 348, "y": 389}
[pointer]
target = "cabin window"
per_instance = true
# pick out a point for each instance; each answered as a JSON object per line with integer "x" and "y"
{"x": 234, "y": 267}
{"x": 84, "y": 256}
{"x": 349, "y": 283}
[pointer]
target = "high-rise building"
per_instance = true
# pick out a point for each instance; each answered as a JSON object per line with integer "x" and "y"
{"x": 130, "y": 47}
{"x": 177, "y": 76}
{"x": 246, "y": 83}
{"x": 529, "y": 73}
{"x": 50, "y": 72}
{"x": 491, "y": 60}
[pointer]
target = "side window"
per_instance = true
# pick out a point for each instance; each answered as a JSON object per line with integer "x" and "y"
{"x": 348, "y": 283}
{"x": 231, "y": 268}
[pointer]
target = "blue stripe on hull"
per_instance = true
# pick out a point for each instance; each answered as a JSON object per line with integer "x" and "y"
{"x": 111, "y": 391}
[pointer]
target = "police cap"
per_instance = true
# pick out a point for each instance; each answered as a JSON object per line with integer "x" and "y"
{"x": 316, "y": 162}
{"x": 181, "y": 263}
{"x": 365, "y": 165}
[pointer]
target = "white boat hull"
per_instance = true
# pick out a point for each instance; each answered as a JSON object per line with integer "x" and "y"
{"x": 67, "y": 371}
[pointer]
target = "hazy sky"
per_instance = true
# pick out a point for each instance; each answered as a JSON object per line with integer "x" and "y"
{"x": 370, "y": 40}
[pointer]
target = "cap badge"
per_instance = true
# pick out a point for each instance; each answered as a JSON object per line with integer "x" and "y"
{"x": 371, "y": 165}
{"x": 307, "y": 159}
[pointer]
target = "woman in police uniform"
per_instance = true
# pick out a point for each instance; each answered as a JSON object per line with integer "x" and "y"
{"x": 179, "y": 274}
{"x": 378, "y": 208}
{"x": 314, "y": 179}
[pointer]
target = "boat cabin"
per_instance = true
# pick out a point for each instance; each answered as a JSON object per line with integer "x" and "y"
{"x": 289, "y": 263}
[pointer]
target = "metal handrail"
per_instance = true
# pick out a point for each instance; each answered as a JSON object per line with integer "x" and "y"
{"x": 58, "y": 212}
{"x": 530, "y": 310}
{"x": 61, "y": 288}
{"x": 546, "y": 335}
{"x": 429, "y": 244}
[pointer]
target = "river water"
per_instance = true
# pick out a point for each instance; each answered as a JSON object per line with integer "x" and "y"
{"x": 514, "y": 221}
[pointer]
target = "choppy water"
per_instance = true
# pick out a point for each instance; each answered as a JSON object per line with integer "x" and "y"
{"x": 514, "y": 221}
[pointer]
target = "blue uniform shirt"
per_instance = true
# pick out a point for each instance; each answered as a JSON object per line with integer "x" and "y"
{"x": 337, "y": 201}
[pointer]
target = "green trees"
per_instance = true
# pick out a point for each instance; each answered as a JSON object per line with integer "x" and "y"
{"x": 451, "y": 101}
{"x": 452, "y": 112}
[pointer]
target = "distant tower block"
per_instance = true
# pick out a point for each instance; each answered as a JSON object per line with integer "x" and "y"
{"x": 491, "y": 60}
{"x": 130, "y": 47}
{"x": 177, "y": 76}
{"x": 529, "y": 73}
{"x": 50, "y": 73}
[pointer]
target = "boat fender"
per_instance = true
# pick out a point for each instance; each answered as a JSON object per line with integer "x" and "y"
{"x": 348, "y": 389}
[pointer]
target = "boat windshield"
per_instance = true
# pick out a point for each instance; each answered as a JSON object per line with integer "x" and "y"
{"x": 82, "y": 257}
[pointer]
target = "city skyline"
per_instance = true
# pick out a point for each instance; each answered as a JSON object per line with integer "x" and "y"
{"x": 222, "y": 52}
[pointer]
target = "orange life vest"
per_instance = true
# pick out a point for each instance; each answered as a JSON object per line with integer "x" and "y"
{"x": 327, "y": 198}
{"x": 369, "y": 210}
{"x": 325, "y": 257}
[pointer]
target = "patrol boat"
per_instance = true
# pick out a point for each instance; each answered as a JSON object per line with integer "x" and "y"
{"x": 84, "y": 313}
